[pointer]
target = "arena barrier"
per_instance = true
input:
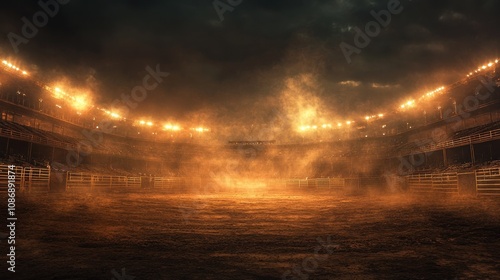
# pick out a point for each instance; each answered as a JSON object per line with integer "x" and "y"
{"x": 482, "y": 182}
{"x": 92, "y": 182}
{"x": 175, "y": 183}
{"x": 27, "y": 179}
{"x": 328, "y": 183}
{"x": 84, "y": 181}
{"x": 488, "y": 181}
{"x": 4, "y": 174}
{"x": 36, "y": 180}
{"x": 319, "y": 183}
{"x": 433, "y": 183}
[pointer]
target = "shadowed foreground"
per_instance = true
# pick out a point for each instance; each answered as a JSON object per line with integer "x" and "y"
{"x": 255, "y": 236}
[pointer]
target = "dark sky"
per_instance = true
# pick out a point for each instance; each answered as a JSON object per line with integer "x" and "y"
{"x": 265, "y": 54}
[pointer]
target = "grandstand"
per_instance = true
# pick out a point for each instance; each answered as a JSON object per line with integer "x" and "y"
{"x": 453, "y": 128}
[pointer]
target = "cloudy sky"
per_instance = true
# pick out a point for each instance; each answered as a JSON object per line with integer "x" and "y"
{"x": 262, "y": 55}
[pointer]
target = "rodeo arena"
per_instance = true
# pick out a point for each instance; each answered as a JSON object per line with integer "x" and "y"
{"x": 408, "y": 192}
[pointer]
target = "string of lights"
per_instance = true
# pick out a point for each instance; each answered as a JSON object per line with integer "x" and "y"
{"x": 81, "y": 102}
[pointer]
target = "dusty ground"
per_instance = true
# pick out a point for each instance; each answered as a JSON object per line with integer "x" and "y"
{"x": 255, "y": 236}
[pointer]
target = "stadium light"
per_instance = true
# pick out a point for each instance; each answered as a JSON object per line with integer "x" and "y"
{"x": 325, "y": 126}
{"x": 13, "y": 67}
{"x": 408, "y": 104}
{"x": 172, "y": 127}
{"x": 200, "y": 129}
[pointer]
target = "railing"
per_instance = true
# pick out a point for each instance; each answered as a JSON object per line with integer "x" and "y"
{"x": 27, "y": 179}
{"x": 36, "y": 179}
{"x": 420, "y": 183}
{"x": 134, "y": 182}
{"x": 467, "y": 140}
{"x": 296, "y": 183}
{"x": 430, "y": 183}
{"x": 326, "y": 183}
{"x": 35, "y": 139}
{"x": 78, "y": 181}
{"x": 488, "y": 181}
{"x": 89, "y": 182}
{"x": 473, "y": 139}
{"x": 4, "y": 177}
{"x": 445, "y": 182}
{"x": 165, "y": 182}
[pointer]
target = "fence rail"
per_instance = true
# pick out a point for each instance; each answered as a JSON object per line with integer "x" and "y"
{"x": 473, "y": 139}
{"x": 36, "y": 180}
{"x": 89, "y": 182}
{"x": 428, "y": 183}
{"x": 27, "y": 179}
{"x": 4, "y": 177}
{"x": 488, "y": 181}
{"x": 35, "y": 139}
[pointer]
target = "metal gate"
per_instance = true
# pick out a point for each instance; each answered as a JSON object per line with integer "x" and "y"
{"x": 36, "y": 179}
{"x": 78, "y": 181}
{"x": 134, "y": 182}
{"x": 441, "y": 183}
{"x": 445, "y": 182}
{"x": 168, "y": 183}
{"x": 89, "y": 182}
{"x": 420, "y": 183}
{"x": 488, "y": 181}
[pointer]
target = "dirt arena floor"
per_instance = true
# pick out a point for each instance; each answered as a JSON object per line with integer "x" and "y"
{"x": 254, "y": 236}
